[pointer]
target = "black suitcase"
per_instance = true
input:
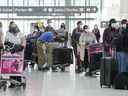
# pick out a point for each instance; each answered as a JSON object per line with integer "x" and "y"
{"x": 108, "y": 71}
{"x": 121, "y": 81}
{"x": 62, "y": 56}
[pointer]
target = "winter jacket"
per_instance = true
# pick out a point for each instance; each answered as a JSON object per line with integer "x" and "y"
{"x": 125, "y": 40}
{"x": 108, "y": 38}
{"x": 75, "y": 36}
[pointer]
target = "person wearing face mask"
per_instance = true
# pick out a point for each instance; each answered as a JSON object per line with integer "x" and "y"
{"x": 39, "y": 26}
{"x": 76, "y": 35}
{"x": 96, "y": 31}
{"x": 108, "y": 36}
{"x": 125, "y": 49}
{"x": 63, "y": 34}
{"x": 14, "y": 36}
{"x": 75, "y": 40}
{"x": 123, "y": 25}
{"x": 49, "y": 27}
{"x": 122, "y": 50}
{"x": 87, "y": 38}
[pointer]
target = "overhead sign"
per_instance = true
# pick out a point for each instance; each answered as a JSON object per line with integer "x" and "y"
{"x": 44, "y": 14}
{"x": 47, "y": 18}
{"x": 46, "y": 10}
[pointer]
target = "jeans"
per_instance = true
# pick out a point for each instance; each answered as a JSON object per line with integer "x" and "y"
{"x": 122, "y": 59}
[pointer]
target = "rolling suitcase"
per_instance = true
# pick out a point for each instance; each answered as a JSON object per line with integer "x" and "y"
{"x": 108, "y": 71}
{"x": 121, "y": 81}
{"x": 62, "y": 57}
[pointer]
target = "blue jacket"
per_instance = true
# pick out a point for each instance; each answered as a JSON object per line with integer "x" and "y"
{"x": 47, "y": 37}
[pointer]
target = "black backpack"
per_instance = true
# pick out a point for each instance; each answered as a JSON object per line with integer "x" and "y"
{"x": 121, "y": 81}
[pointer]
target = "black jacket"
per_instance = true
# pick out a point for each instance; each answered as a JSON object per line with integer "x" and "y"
{"x": 125, "y": 40}
{"x": 120, "y": 41}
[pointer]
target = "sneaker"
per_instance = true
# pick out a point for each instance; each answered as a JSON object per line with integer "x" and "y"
{"x": 78, "y": 71}
{"x": 12, "y": 86}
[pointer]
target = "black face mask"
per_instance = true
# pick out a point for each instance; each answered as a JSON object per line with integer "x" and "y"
{"x": 14, "y": 30}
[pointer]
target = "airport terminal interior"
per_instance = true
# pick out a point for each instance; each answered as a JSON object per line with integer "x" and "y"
{"x": 63, "y": 48}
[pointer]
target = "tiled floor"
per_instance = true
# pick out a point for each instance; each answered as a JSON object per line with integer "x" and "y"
{"x": 62, "y": 84}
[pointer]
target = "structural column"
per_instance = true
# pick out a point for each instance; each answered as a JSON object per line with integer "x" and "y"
{"x": 67, "y": 22}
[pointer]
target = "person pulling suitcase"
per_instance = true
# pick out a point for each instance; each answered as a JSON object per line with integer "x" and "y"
{"x": 85, "y": 40}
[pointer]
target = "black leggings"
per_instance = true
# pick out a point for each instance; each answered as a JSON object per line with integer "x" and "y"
{"x": 85, "y": 63}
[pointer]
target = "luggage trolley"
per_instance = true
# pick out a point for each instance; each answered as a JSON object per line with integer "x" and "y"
{"x": 11, "y": 65}
{"x": 62, "y": 58}
{"x": 95, "y": 52}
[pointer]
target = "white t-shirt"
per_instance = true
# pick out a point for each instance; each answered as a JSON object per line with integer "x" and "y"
{"x": 16, "y": 39}
{"x": 87, "y": 38}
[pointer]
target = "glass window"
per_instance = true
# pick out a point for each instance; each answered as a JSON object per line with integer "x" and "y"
{"x": 72, "y": 23}
{"x": 3, "y": 2}
{"x": 18, "y": 2}
{"x": 33, "y": 2}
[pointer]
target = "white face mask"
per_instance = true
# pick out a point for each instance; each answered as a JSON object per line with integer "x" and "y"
{"x": 115, "y": 25}
{"x": 95, "y": 27}
{"x": 86, "y": 30}
{"x": 124, "y": 25}
{"x": 81, "y": 26}
{"x": 13, "y": 25}
{"x": 49, "y": 24}
{"x": 42, "y": 30}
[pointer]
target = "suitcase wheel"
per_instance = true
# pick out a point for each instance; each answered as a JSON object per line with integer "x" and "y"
{"x": 5, "y": 87}
{"x": 100, "y": 85}
{"x": 54, "y": 69}
{"x": 109, "y": 86}
{"x": 24, "y": 86}
{"x": 63, "y": 69}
